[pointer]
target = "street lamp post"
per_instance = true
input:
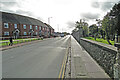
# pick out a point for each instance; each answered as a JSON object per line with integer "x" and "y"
{"x": 117, "y": 44}
{"x": 49, "y": 20}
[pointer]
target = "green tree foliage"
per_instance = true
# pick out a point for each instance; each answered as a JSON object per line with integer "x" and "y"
{"x": 93, "y": 31}
{"x": 109, "y": 22}
{"x": 84, "y": 25}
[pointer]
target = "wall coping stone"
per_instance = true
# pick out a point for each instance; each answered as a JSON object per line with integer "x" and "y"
{"x": 111, "y": 48}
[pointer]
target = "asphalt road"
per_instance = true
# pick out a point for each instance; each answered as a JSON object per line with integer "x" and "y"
{"x": 38, "y": 60}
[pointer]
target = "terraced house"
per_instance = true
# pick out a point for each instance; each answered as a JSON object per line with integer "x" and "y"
{"x": 20, "y": 26}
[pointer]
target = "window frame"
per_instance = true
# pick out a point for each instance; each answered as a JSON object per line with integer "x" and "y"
{"x": 6, "y": 33}
{"x": 25, "y": 32}
{"x": 36, "y": 27}
{"x": 30, "y": 26}
{"x": 39, "y": 27}
{"x": 6, "y": 24}
{"x": 15, "y": 26}
{"x": 25, "y": 26}
{"x": 36, "y": 33}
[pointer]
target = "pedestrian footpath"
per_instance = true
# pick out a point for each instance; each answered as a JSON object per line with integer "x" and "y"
{"x": 82, "y": 64}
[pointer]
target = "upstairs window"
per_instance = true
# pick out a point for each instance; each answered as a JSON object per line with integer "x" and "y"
{"x": 15, "y": 25}
{"x": 6, "y": 33}
{"x": 6, "y": 25}
{"x": 30, "y": 26}
{"x": 39, "y": 28}
{"x": 36, "y": 27}
{"x": 24, "y": 26}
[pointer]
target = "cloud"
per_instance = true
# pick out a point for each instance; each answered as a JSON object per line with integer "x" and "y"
{"x": 13, "y": 6}
{"x": 8, "y": 5}
{"x": 89, "y": 16}
{"x": 106, "y": 6}
{"x": 70, "y": 24}
{"x": 95, "y": 4}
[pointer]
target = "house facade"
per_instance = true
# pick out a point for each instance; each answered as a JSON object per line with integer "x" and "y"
{"x": 19, "y": 26}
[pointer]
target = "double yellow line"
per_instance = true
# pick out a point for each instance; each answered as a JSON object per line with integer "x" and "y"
{"x": 62, "y": 70}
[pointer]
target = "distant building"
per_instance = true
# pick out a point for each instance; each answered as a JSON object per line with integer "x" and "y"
{"x": 20, "y": 26}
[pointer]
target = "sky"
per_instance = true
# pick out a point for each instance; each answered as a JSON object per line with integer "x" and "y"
{"x": 62, "y": 14}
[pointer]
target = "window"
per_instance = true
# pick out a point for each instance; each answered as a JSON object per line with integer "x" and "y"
{"x": 24, "y": 26}
{"x": 6, "y": 25}
{"x": 39, "y": 28}
{"x": 30, "y": 26}
{"x": 6, "y": 33}
{"x": 15, "y": 25}
{"x": 25, "y": 33}
{"x": 36, "y": 27}
{"x": 36, "y": 33}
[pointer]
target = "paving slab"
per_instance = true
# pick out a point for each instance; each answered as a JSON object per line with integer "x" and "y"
{"x": 84, "y": 65}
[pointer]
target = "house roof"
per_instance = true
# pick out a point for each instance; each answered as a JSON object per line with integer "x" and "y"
{"x": 48, "y": 25}
{"x": 19, "y": 19}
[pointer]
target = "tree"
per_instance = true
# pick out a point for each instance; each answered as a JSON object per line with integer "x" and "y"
{"x": 93, "y": 29}
{"x": 109, "y": 22}
{"x": 84, "y": 25}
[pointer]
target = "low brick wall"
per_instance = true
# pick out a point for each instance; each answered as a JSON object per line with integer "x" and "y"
{"x": 104, "y": 54}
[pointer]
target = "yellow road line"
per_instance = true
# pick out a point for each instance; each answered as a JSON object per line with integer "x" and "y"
{"x": 63, "y": 66}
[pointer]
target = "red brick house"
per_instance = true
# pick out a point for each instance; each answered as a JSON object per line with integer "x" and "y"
{"x": 20, "y": 26}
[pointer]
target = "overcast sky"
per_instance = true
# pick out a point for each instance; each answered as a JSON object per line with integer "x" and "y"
{"x": 64, "y": 13}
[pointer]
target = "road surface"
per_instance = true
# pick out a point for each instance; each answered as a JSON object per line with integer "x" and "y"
{"x": 43, "y": 59}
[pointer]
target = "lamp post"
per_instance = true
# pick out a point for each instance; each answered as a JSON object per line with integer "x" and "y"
{"x": 117, "y": 44}
{"x": 49, "y": 20}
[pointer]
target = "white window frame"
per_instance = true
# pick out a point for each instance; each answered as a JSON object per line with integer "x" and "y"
{"x": 25, "y": 33}
{"x": 36, "y": 27}
{"x": 24, "y": 26}
{"x": 6, "y": 33}
{"x": 39, "y": 27}
{"x": 36, "y": 33}
{"x": 30, "y": 26}
{"x": 7, "y": 26}
{"x": 15, "y": 26}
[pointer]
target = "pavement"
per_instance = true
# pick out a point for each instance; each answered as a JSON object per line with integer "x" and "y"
{"x": 82, "y": 64}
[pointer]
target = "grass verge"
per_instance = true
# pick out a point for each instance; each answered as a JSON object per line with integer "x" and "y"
{"x": 100, "y": 40}
{"x": 18, "y": 41}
